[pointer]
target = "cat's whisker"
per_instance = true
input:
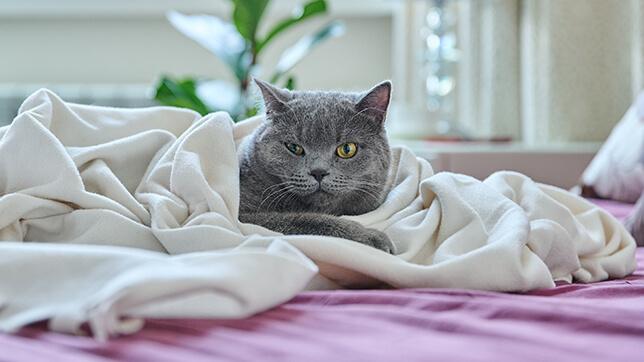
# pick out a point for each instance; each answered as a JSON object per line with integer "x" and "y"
{"x": 362, "y": 197}
{"x": 277, "y": 195}
{"x": 368, "y": 192}
{"x": 364, "y": 182}
{"x": 372, "y": 189}
{"x": 286, "y": 186}
{"x": 275, "y": 182}
{"x": 291, "y": 196}
{"x": 280, "y": 196}
{"x": 274, "y": 186}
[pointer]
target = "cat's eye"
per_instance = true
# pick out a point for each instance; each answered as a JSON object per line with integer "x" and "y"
{"x": 347, "y": 150}
{"x": 296, "y": 149}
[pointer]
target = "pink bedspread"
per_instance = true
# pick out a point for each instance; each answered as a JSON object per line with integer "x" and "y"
{"x": 618, "y": 209}
{"x": 595, "y": 322}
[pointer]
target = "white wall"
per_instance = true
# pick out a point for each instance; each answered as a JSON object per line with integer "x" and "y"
{"x": 130, "y": 41}
{"x": 69, "y": 41}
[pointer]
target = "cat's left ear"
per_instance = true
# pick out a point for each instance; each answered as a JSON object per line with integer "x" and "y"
{"x": 274, "y": 98}
{"x": 375, "y": 102}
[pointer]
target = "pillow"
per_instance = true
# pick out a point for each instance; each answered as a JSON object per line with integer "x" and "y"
{"x": 635, "y": 221}
{"x": 617, "y": 171}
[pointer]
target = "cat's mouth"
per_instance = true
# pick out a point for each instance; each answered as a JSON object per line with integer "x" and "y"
{"x": 317, "y": 190}
{"x": 320, "y": 190}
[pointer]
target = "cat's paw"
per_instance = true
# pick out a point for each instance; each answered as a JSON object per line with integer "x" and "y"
{"x": 378, "y": 240}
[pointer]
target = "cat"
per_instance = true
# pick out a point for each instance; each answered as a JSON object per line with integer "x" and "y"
{"x": 317, "y": 156}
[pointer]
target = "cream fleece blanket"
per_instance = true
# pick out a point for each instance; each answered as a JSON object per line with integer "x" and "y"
{"x": 94, "y": 186}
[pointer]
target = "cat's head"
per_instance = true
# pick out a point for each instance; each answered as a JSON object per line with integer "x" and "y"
{"x": 329, "y": 150}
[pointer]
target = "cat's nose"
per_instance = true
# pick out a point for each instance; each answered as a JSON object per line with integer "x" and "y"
{"x": 318, "y": 174}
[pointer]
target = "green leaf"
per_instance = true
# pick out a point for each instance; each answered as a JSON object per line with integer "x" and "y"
{"x": 181, "y": 93}
{"x": 246, "y": 16}
{"x": 300, "y": 13}
{"x": 216, "y": 35}
{"x": 250, "y": 112}
{"x": 295, "y": 53}
{"x": 290, "y": 83}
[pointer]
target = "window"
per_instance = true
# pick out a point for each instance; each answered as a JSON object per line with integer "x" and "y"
{"x": 537, "y": 71}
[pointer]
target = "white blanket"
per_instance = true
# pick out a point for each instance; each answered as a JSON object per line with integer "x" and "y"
{"x": 99, "y": 184}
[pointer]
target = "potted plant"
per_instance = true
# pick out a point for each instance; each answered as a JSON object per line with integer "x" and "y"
{"x": 239, "y": 46}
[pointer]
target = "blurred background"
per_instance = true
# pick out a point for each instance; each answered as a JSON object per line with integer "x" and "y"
{"x": 538, "y": 72}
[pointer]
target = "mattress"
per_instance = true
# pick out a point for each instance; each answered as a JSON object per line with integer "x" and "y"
{"x": 592, "y": 322}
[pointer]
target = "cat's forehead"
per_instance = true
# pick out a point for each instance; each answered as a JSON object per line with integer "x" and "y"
{"x": 322, "y": 119}
{"x": 323, "y": 103}
{"x": 312, "y": 114}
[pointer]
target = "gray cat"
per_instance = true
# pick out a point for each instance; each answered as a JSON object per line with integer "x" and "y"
{"x": 318, "y": 155}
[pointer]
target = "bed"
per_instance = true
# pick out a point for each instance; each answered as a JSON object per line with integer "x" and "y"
{"x": 540, "y": 315}
{"x": 592, "y": 322}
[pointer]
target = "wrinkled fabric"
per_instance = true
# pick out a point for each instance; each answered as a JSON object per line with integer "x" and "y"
{"x": 106, "y": 182}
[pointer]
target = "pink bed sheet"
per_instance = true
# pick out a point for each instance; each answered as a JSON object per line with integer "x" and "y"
{"x": 594, "y": 322}
{"x": 618, "y": 209}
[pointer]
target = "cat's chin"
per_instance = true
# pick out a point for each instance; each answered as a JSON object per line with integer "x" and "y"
{"x": 320, "y": 201}
{"x": 317, "y": 191}
{"x": 319, "y": 195}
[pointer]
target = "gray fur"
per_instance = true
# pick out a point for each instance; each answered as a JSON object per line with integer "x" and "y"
{"x": 280, "y": 189}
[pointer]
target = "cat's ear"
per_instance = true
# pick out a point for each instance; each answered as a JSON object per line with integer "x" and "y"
{"x": 274, "y": 98}
{"x": 375, "y": 102}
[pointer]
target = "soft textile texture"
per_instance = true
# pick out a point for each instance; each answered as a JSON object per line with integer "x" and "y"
{"x": 571, "y": 322}
{"x": 166, "y": 180}
{"x": 620, "y": 210}
{"x": 617, "y": 171}
{"x": 101, "y": 285}
{"x": 68, "y": 175}
{"x": 631, "y": 215}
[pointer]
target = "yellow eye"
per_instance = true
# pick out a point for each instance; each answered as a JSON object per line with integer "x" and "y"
{"x": 347, "y": 150}
{"x": 296, "y": 149}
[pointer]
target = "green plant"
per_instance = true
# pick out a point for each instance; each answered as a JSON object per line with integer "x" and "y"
{"x": 239, "y": 46}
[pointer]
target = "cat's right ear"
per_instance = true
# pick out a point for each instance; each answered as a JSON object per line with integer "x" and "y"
{"x": 274, "y": 98}
{"x": 375, "y": 102}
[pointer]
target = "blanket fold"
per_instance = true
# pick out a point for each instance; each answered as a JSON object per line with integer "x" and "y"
{"x": 145, "y": 202}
